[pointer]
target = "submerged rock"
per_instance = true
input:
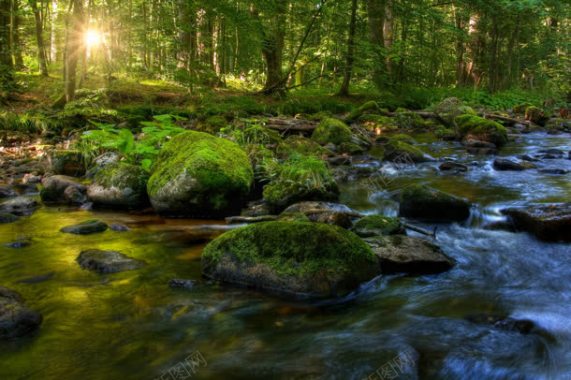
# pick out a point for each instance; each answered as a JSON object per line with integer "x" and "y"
{"x": 504, "y": 164}
{"x": 426, "y": 203}
{"x": 63, "y": 189}
{"x": 453, "y": 166}
{"x": 378, "y": 225}
{"x": 19, "y": 206}
{"x": 550, "y": 222}
{"x": 119, "y": 185}
{"x": 107, "y": 261}
{"x": 324, "y": 212}
{"x": 7, "y": 218}
{"x": 480, "y": 147}
{"x": 86, "y": 228}
{"x": 181, "y": 284}
{"x": 16, "y": 319}
{"x": 404, "y": 254}
{"x": 522, "y": 326}
{"x": 7, "y": 192}
{"x": 291, "y": 258}
{"x": 18, "y": 244}
{"x": 199, "y": 175}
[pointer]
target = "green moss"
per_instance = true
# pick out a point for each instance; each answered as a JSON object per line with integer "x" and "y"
{"x": 373, "y": 122}
{"x": 122, "y": 175}
{"x": 406, "y": 119}
{"x": 378, "y": 225}
{"x": 212, "y": 124}
{"x": 482, "y": 129}
{"x": 293, "y": 248}
{"x": 368, "y": 107}
{"x": 301, "y": 179}
{"x": 445, "y": 133}
{"x": 351, "y": 148}
{"x": 298, "y": 145}
{"x": 332, "y": 131}
{"x": 402, "y": 137}
{"x": 294, "y": 217}
{"x": 400, "y": 150}
{"x": 218, "y": 167}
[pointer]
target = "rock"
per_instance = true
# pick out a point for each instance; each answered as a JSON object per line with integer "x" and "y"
{"x": 504, "y": 164}
{"x": 16, "y": 319}
{"x": 400, "y": 151}
{"x": 528, "y": 158}
{"x": 425, "y": 203}
{"x": 7, "y": 192}
{"x": 549, "y": 222}
{"x": 119, "y": 185}
{"x": 535, "y": 115}
{"x": 551, "y": 154}
{"x": 256, "y": 209}
{"x": 339, "y": 160}
{"x": 101, "y": 162}
{"x": 19, "y": 206}
{"x": 118, "y": 227}
{"x": 7, "y": 218}
{"x": 449, "y": 109}
{"x": 558, "y": 125}
{"x": 37, "y": 279}
{"x": 18, "y": 244}
{"x": 302, "y": 146}
{"x": 86, "y": 228}
{"x": 500, "y": 226}
{"x": 554, "y": 171}
{"x": 324, "y": 212}
{"x": 378, "y": 225}
{"x": 480, "y": 147}
{"x": 291, "y": 258}
{"x": 67, "y": 162}
{"x": 300, "y": 179}
{"x": 181, "y": 284}
{"x": 250, "y": 219}
{"x": 522, "y": 326}
{"x": 199, "y": 175}
{"x": 403, "y": 254}
{"x": 107, "y": 261}
{"x": 477, "y": 128}
{"x": 56, "y": 189}
{"x": 453, "y": 166}
{"x": 31, "y": 179}
{"x": 333, "y": 131}
{"x": 370, "y": 107}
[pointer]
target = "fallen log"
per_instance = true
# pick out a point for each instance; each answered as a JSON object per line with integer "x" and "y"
{"x": 291, "y": 125}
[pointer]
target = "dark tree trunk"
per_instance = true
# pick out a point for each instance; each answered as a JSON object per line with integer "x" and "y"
{"x": 272, "y": 50}
{"x": 344, "y": 90}
{"x": 6, "y": 64}
{"x": 16, "y": 42}
{"x": 376, "y": 16}
{"x": 42, "y": 60}
{"x": 73, "y": 49}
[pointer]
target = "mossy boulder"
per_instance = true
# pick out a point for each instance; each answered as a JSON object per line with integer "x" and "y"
{"x": 212, "y": 124}
{"x": 406, "y": 119}
{"x": 301, "y": 179}
{"x": 535, "y": 115}
{"x": 449, "y": 109}
{"x": 199, "y": 175}
{"x": 63, "y": 189}
{"x": 291, "y": 258}
{"x": 422, "y": 202}
{"x": 299, "y": 145}
{"x": 556, "y": 125}
{"x": 378, "y": 123}
{"x": 120, "y": 185}
{"x": 548, "y": 222}
{"x": 478, "y": 128}
{"x": 332, "y": 131}
{"x": 397, "y": 150}
{"x": 66, "y": 162}
{"x": 324, "y": 212}
{"x": 370, "y": 107}
{"x": 378, "y": 225}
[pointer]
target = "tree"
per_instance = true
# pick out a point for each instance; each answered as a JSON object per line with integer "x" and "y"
{"x": 6, "y": 64}
{"x": 42, "y": 59}
{"x": 74, "y": 48}
{"x": 344, "y": 90}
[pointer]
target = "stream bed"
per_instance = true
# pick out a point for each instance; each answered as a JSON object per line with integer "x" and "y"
{"x": 132, "y": 325}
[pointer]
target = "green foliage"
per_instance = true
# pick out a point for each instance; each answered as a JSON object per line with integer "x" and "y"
{"x": 251, "y": 131}
{"x": 333, "y": 131}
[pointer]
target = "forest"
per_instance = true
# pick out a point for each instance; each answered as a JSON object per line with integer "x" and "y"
{"x": 288, "y": 189}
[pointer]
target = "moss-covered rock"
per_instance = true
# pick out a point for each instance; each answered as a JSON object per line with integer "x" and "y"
{"x": 351, "y": 148}
{"x": 291, "y": 258}
{"x": 199, "y": 175}
{"x": 120, "y": 185}
{"x": 299, "y": 145}
{"x": 378, "y": 123}
{"x": 378, "y": 225}
{"x": 445, "y": 134}
{"x": 475, "y": 127}
{"x": 449, "y": 109}
{"x": 370, "y": 107}
{"x": 397, "y": 150}
{"x": 556, "y": 125}
{"x": 426, "y": 203}
{"x": 66, "y": 162}
{"x": 324, "y": 212}
{"x": 332, "y": 131}
{"x": 406, "y": 119}
{"x": 301, "y": 179}
{"x": 212, "y": 124}
{"x": 535, "y": 115}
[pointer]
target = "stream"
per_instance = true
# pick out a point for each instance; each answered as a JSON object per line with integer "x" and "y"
{"x": 132, "y": 325}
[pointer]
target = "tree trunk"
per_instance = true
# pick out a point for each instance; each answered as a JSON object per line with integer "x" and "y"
{"x": 344, "y": 90}
{"x": 376, "y": 17}
{"x": 73, "y": 48}
{"x": 42, "y": 60}
{"x": 15, "y": 30}
{"x": 272, "y": 49}
{"x": 6, "y": 65}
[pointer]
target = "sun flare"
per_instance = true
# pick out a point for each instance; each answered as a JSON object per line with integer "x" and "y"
{"x": 92, "y": 38}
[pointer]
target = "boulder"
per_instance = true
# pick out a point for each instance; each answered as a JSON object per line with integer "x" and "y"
{"x": 177, "y": 283}
{"x": 478, "y": 128}
{"x": 378, "y": 225}
{"x": 119, "y": 185}
{"x": 449, "y": 109}
{"x": 480, "y": 147}
{"x": 86, "y": 228}
{"x": 333, "y": 131}
{"x": 536, "y": 115}
{"x": 291, "y": 258}
{"x": 324, "y": 212}
{"x": 199, "y": 175}
{"x": 7, "y": 192}
{"x": 397, "y": 150}
{"x": 449, "y": 166}
{"x": 422, "y": 202}
{"x": 66, "y": 162}
{"x": 107, "y": 261}
{"x": 549, "y": 222}
{"x": 19, "y": 206}
{"x": 7, "y": 218}
{"x": 404, "y": 254}
{"x": 101, "y": 162}
{"x": 16, "y": 319}
{"x": 504, "y": 164}
{"x": 63, "y": 189}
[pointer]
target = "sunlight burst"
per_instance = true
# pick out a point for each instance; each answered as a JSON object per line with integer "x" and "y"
{"x": 92, "y": 38}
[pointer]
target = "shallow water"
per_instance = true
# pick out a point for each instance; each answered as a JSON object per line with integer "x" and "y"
{"x": 131, "y": 325}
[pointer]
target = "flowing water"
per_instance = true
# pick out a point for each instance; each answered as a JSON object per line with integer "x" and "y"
{"x": 131, "y": 325}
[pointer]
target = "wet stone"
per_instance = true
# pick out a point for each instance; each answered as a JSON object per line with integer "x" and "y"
{"x": 105, "y": 262}
{"x": 86, "y": 228}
